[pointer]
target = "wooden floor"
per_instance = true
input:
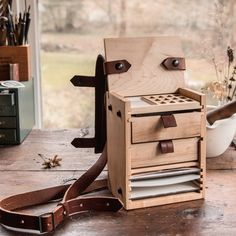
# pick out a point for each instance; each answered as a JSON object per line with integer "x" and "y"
{"x": 21, "y": 171}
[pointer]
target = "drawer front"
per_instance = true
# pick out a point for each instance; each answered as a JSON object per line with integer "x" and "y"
{"x": 150, "y": 154}
{"x": 7, "y": 122}
{"x": 7, "y": 110}
{"x": 7, "y": 99}
{"x": 151, "y": 128}
{"x": 7, "y": 136}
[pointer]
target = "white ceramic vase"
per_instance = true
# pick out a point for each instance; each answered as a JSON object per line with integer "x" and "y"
{"x": 220, "y": 135}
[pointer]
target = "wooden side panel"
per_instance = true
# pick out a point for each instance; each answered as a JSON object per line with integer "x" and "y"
{"x": 202, "y": 146}
{"x": 150, "y": 128}
{"x": 116, "y": 148}
{"x": 193, "y": 94}
{"x": 146, "y": 75}
{"x": 149, "y": 154}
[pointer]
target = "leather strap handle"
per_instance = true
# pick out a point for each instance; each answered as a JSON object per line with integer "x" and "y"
{"x": 166, "y": 146}
{"x": 168, "y": 121}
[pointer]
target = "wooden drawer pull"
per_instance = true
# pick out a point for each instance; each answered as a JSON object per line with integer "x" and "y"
{"x": 168, "y": 121}
{"x": 166, "y": 146}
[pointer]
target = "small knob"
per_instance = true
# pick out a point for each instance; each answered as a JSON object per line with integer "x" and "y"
{"x": 119, "y": 66}
{"x": 175, "y": 63}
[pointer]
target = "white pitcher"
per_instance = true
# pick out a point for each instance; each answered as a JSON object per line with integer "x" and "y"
{"x": 220, "y": 135}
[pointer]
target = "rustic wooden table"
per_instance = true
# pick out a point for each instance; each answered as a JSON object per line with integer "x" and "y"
{"x": 21, "y": 170}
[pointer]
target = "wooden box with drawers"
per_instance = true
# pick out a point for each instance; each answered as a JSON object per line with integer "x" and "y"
{"x": 155, "y": 125}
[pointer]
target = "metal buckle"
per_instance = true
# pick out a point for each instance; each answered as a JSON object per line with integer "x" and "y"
{"x": 40, "y": 222}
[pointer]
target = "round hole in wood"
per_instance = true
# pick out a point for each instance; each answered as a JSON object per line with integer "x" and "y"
{"x": 118, "y": 113}
{"x": 119, "y": 191}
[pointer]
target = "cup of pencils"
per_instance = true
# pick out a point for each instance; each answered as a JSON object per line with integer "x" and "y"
{"x": 14, "y": 47}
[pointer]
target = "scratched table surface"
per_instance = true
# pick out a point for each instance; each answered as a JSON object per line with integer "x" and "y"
{"x": 21, "y": 170}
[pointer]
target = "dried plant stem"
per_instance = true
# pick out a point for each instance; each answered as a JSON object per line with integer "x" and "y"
{"x": 216, "y": 69}
{"x": 234, "y": 93}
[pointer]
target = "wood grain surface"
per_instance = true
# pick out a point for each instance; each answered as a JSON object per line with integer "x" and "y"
{"x": 20, "y": 172}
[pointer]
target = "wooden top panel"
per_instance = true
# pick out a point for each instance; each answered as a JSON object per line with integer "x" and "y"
{"x": 146, "y": 75}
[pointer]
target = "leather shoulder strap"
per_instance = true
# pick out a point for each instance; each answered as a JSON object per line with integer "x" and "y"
{"x": 72, "y": 201}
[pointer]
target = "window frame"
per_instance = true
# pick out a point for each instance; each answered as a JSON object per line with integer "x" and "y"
{"x": 34, "y": 40}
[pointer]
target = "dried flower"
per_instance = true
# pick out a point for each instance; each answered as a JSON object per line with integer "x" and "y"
{"x": 230, "y": 54}
{"x": 49, "y": 163}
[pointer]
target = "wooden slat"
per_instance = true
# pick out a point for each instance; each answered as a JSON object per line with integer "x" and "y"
{"x": 164, "y": 167}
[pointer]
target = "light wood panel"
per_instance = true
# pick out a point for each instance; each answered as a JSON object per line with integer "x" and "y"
{"x": 146, "y": 75}
{"x": 116, "y": 147}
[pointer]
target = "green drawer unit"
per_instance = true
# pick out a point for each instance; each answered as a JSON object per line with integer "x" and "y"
{"x": 16, "y": 113}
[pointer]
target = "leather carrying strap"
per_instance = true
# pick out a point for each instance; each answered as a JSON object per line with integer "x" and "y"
{"x": 73, "y": 201}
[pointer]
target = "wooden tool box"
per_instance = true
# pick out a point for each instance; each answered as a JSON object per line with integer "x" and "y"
{"x": 155, "y": 126}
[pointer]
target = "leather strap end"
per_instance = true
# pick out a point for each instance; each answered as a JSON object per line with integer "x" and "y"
{"x": 83, "y": 142}
{"x": 166, "y": 146}
{"x": 83, "y": 81}
{"x": 116, "y": 67}
{"x": 174, "y": 63}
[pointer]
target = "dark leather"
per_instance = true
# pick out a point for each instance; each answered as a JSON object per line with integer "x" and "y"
{"x": 166, "y": 146}
{"x": 83, "y": 81}
{"x": 169, "y": 63}
{"x": 168, "y": 121}
{"x": 116, "y": 67}
{"x": 222, "y": 112}
{"x": 73, "y": 201}
{"x": 99, "y": 83}
{"x": 84, "y": 142}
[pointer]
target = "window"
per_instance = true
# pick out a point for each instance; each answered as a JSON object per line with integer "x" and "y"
{"x": 72, "y": 33}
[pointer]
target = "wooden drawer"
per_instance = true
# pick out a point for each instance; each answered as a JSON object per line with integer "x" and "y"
{"x": 8, "y": 122}
{"x": 7, "y": 110}
{"x": 149, "y": 154}
{"x": 7, "y": 99}
{"x": 7, "y": 136}
{"x": 151, "y": 128}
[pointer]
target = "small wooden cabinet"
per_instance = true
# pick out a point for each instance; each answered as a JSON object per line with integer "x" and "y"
{"x": 16, "y": 113}
{"x": 155, "y": 126}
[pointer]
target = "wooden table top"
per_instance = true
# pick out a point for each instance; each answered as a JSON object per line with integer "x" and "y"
{"x": 21, "y": 170}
